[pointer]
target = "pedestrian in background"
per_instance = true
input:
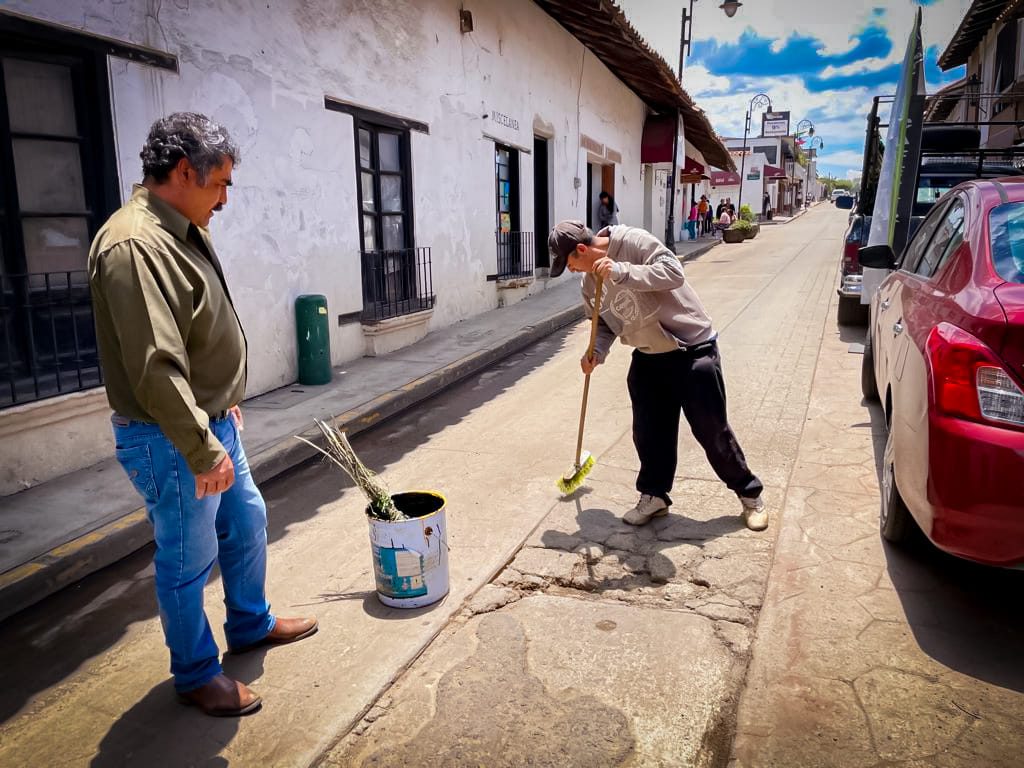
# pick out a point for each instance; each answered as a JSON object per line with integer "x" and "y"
{"x": 607, "y": 210}
{"x": 691, "y": 221}
{"x": 702, "y": 214}
{"x": 649, "y": 304}
{"x": 724, "y": 220}
{"x": 174, "y": 363}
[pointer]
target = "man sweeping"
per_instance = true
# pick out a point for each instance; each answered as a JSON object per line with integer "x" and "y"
{"x": 648, "y": 304}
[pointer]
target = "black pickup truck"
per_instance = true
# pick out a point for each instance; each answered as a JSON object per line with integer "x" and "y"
{"x": 950, "y": 154}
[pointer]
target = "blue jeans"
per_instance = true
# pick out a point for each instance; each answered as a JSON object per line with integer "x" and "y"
{"x": 190, "y": 535}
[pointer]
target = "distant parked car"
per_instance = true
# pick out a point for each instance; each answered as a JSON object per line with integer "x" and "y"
{"x": 945, "y": 356}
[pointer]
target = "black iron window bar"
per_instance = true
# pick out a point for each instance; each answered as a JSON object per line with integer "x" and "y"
{"x": 396, "y": 282}
{"x": 47, "y": 336}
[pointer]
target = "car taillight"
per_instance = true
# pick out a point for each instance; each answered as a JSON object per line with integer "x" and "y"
{"x": 968, "y": 381}
{"x": 851, "y": 257}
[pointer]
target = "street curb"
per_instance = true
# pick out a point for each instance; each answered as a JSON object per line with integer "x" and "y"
{"x": 61, "y": 566}
{"x": 698, "y": 252}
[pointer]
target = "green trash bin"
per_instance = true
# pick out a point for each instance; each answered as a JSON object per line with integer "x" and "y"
{"x": 314, "y": 340}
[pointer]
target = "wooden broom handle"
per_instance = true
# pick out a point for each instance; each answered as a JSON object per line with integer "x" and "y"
{"x": 586, "y": 379}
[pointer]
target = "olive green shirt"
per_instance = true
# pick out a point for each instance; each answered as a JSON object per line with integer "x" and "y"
{"x": 171, "y": 345}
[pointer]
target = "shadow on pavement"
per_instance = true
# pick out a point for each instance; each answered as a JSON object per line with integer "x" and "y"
{"x": 133, "y": 739}
{"x": 638, "y": 549}
{"x": 964, "y": 615}
{"x": 48, "y": 642}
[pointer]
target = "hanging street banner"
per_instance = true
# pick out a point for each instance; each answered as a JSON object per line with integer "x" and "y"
{"x": 775, "y": 124}
{"x": 890, "y": 219}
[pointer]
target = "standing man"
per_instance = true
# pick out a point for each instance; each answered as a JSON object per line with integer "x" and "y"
{"x": 174, "y": 362}
{"x": 648, "y": 304}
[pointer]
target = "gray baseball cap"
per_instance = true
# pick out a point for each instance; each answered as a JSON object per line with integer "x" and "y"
{"x": 562, "y": 241}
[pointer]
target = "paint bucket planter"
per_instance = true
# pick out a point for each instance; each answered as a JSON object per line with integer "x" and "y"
{"x": 410, "y": 557}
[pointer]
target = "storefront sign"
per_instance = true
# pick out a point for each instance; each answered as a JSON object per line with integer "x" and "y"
{"x": 775, "y": 124}
{"x": 505, "y": 120}
{"x": 754, "y": 174}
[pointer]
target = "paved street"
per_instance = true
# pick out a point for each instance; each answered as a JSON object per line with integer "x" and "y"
{"x": 570, "y": 638}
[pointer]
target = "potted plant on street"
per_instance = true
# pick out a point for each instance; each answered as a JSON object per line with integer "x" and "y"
{"x": 738, "y": 232}
{"x": 408, "y": 531}
{"x": 747, "y": 215}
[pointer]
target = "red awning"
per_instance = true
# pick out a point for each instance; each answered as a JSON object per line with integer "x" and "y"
{"x": 771, "y": 172}
{"x": 724, "y": 178}
{"x": 656, "y": 144}
{"x": 692, "y": 168}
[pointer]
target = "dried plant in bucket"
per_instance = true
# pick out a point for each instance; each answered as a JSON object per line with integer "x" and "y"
{"x": 340, "y": 452}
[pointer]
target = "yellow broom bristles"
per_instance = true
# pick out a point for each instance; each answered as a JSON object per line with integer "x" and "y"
{"x": 569, "y": 484}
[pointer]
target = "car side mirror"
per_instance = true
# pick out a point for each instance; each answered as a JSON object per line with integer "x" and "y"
{"x": 877, "y": 256}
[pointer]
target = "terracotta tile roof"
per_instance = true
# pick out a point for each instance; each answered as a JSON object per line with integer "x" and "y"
{"x": 604, "y": 29}
{"x": 980, "y": 18}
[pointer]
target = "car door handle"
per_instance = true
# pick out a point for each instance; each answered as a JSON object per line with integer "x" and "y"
{"x": 897, "y": 328}
{"x": 885, "y": 304}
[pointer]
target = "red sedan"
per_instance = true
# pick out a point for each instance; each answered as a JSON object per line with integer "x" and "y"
{"x": 945, "y": 356}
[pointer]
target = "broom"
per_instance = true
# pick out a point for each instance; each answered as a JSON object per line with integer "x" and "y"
{"x": 584, "y": 460}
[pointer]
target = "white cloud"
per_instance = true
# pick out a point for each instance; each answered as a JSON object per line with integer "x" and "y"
{"x": 832, "y": 22}
{"x": 872, "y": 64}
{"x": 697, "y": 79}
{"x": 847, "y": 158}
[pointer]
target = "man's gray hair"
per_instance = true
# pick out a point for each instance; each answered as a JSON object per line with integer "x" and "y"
{"x": 204, "y": 143}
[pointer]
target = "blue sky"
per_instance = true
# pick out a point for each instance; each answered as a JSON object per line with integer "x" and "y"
{"x": 822, "y": 61}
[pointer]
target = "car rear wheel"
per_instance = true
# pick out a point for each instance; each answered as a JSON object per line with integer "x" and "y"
{"x": 851, "y": 311}
{"x": 868, "y": 385}
{"x": 896, "y": 524}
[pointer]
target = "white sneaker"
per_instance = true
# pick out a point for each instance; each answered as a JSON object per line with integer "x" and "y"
{"x": 645, "y": 509}
{"x": 754, "y": 513}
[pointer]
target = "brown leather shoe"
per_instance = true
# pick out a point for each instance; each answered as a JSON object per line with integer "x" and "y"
{"x": 285, "y": 631}
{"x": 223, "y": 697}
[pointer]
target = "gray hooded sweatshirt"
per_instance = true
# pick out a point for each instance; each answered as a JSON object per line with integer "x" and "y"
{"x": 646, "y": 302}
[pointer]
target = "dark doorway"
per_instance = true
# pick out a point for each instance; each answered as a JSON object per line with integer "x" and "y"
{"x": 608, "y": 179}
{"x": 541, "y": 220}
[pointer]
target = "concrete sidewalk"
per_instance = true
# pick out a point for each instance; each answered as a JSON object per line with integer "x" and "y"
{"x": 76, "y": 524}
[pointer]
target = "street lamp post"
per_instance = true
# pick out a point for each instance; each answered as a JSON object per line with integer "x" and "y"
{"x": 685, "y": 36}
{"x": 808, "y": 126}
{"x": 760, "y": 100}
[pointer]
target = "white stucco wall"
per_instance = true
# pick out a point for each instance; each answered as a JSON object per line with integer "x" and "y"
{"x": 291, "y": 223}
{"x": 263, "y": 69}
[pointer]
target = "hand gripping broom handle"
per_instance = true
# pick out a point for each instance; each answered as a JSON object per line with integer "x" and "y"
{"x": 586, "y": 379}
